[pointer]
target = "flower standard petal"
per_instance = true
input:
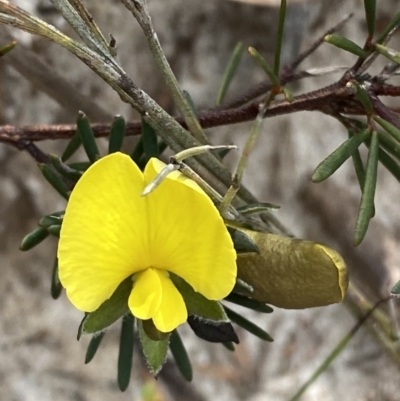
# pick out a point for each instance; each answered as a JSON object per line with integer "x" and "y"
{"x": 188, "y": 236}
{"x": 172, "y": 311}
{"x": 104, "y": 233}
{"x": 146, "y": 295}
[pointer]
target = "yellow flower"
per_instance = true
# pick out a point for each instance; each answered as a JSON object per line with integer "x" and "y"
{"x": 110, "y": 232}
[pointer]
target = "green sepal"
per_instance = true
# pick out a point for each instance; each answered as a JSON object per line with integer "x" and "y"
{"x": 391, "y": 54}
{"x": 242, "y": 242}
{"x": 125, "y": 354}
{"x": 93, "y": 346}
{"x": 180, "y": 355}
{"x": 33, "y": 238}
{"x": 152, "y": 332}
{"x": 366, "y": 209}
{"x": 109, "y": 311}
{"x": 7, "y": 48}
{"x": 137, "y": 152}
{"x": 52, "y": 219}
{"x": 248, "y": 303}
{"x": 213, "y": 332}
{"x": 198, "y": 304}
{"x": 230, "y": 72}
{"x": 260, "y": 60}
{"x": 80, "y": 166}
{"x": 73, "y": 145}
{"x": 150, "y": 141}
{"x": 370, "y": 10}
{"x": 55, "y": 180}
{"x": 56, "y": 286}
{"x": 87, "y": 137}
{"x": 229, "y": 346}
{"x": 395, "y": 292}
{"x": 155, "y": 352}
{"x": 345, "y": 44}
{"x": 54, "y": 230}
{"x": 247, "y": 325}
{"x": 328, "y": 166}
{"x": 257, "y": 208}
{"x": 363, "y": 97}
{"x": 65, "y": 170}
{"x": 389, "y": 128}
{"x": 117, "y": 134}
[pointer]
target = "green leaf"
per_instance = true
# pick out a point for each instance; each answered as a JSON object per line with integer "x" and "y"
{"x": 197, "y": 304}
{"x": 52, "y": 219}
{"x": 65, "y": 170}
{"x": 389, "y": 164}
{"x": 358, "y": 164}
{"x": 73, "y": 145}
{"x": 109, "y": 311}
{"x": 180, "y": 355}
{"x": 125, "y": 352}
{"x": 229, "y": 346}
{"x": 394, "y": 23}
{"x": 152, "y": 332}
{"x": 366, "y": 209}
{"x": 80, "y": 166}
{"x": 56, "y": 286}
{"x": 363, "y": 97}
{"x": 391, "y": 54}
{"x": 389, "y": 128}
{"x": 213, "y": 332}
{"x": 396, "y": 290}
{"x": 7, "y": 48}
{"x": 54, "y": 230}
{"x": 247, "y": 325}
{"x": 230, "y": 72}
{"x": 257, "y": 208}
{"x": 55, "y": 180}
{"x": 328, "y": 166}
{"x": 137, "y": 153}
{"x": 248, "y": 303}
{"x": 242, "y": 242}
{"x": 87, "y": 137}
{"x": 117, "y": 134}
{"x": 389, "y": 144}
{"x": 279, "y": 37}
{"x": 370, "y": 9}
{"x": 260, "y": 60}
{"x": 242, "y": 287}
{"x": 93, "y": 346}
{"x": 345, "y": 44}
{"x": 190, "y": 101}
{"x": 33, "y": 238}
{"x": 150, "y": 142}
{"x": 155, "y": 352}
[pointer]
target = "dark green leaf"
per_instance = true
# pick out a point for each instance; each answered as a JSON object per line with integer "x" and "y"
{"x": 80, "y": 166}
{"x": 358, "y": 165}
{"x": 65, "y": 170}
{"x": 279, "y": 37}
{"x": 87, "y": 137}
{"x": 54, "y": 230}
{"x": 363, "y": 97}
{"x": 394, "y": 23}
{"x": 370, "y": 8}
{"x": 152, "y": 332}
{"x": 389, "y": 164}
{"x": 366, "y": 209}
{"x": 229, "y": 346}
{"x": 33, "y": 238}
{"x": 117, "y": 134}
{"x": 93, "y": 346}
{"x": 155, "y": 352}
{"x": 125, "y": 352}
{"x": 328, "y": 166}
{"x": 242, "y": 242}
{"x": 52, "y": 219}
{"x": 222, "y": 153}
{"x": 109, "y": 311}
{"x": 230, "y": 72}
{"x": 396, "y": 290}
{"x": 137, "y": 153}
{"x": 197, "y": 304}
{"x": 180, "y": 355}
{"x": 213, "y": 332}
{"x": 56, "y": 286}
{"x": 55, "y": 180}
{"x": 242, "y": 287}
{"x": 73, "y": 145}
{"x": 389, "y": 128}
{"x": 150, "y": 142}
{"x": 264, "y": 65}
{"x": 389, "y": 144}
{"x": 190, "y": 102}
{"x": 345, "y": 44}
{"x": 247, "y": 325}
{"x": 249, "y": 303}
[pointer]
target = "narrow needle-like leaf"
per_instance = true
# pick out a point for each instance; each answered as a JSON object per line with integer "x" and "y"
{"x": 370, "y": 9}
{"x": 345, "y": 44}
{"x": 87, "y": 137}
{"x": 180, "y": 355}
{"x": 117, "y": 134}
{"x": 125, "y": 352}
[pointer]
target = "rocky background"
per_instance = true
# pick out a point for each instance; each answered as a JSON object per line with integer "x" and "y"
{"x": 40, "y": 358}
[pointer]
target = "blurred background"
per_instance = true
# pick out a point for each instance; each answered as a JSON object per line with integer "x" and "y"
{"x": 40, "y": 358}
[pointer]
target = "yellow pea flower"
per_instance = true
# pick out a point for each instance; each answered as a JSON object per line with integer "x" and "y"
{"x": 110, "y": 232}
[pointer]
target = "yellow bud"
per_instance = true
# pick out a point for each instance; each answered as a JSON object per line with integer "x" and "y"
{"x": 291, "y": 273}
